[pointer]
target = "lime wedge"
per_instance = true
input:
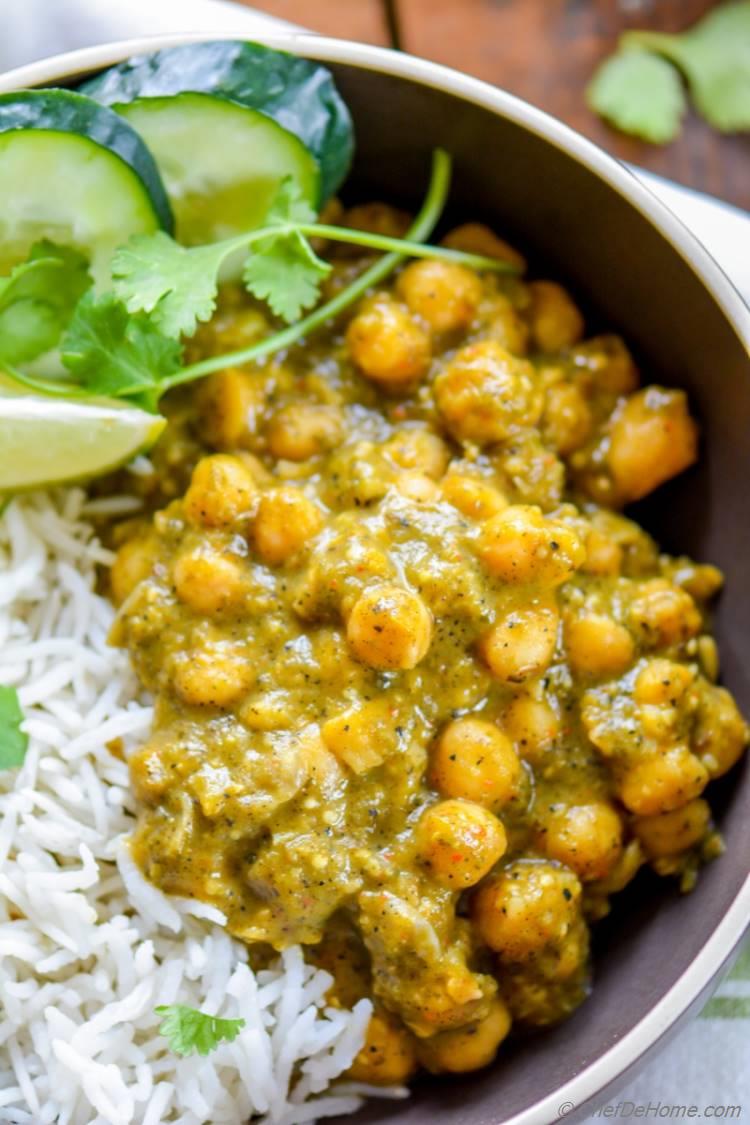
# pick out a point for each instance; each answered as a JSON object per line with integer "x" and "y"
{"x": 46, "y": 441}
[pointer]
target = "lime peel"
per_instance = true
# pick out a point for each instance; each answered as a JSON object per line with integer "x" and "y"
{"x": 47, "y": 441}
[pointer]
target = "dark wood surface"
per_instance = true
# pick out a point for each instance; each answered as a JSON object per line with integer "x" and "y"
{"x": 545, "y": 51}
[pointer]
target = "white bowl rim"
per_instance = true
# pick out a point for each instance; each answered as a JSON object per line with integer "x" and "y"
{"x": 724, "y": 942}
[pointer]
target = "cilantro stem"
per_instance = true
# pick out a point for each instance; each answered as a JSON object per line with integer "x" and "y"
{"x": 370, "y": 240}
{"x": 658, "y": 41}
{"x": 421, "y": 229}
{"x": 58, "y": 388}
{"x": 404, "y": 247}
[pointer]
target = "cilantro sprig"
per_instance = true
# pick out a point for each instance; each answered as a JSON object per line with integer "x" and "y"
{"x": 640, "y": 90}
{"x": 189, "y": 1030}
{"x": 127, "y": 344}
{"x": 37, "y": 300}
{"x": 178, "y": 285}
{"x": 115, "y": 353}
{"x": 13, "y": 741}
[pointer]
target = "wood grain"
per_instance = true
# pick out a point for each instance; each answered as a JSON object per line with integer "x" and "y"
{"x": 545, "y": 51}
{"x": 348, "y": 19}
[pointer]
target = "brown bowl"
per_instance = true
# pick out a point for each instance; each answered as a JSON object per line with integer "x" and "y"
{"x": 586, "y": 219}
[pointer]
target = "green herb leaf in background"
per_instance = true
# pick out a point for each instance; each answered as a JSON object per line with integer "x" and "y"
{"x": 189, "y": 1030}
{"x": 714, "y": 59}
{"x": 37, "y": 300}
{"x": 113, "y": 352}
{"x": 641, "y": 94}
{"x": 13, "y": 741}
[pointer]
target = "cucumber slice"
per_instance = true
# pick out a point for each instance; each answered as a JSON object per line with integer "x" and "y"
{"x": 222, "y": 164}
{"x": 73, "y": 171}
{"x": 297, "y": 95}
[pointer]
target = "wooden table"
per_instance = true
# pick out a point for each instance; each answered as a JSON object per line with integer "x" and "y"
{"x": 545, "y": 51}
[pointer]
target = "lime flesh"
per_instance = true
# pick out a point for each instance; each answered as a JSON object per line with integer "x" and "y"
{"x": 46, "y": 441}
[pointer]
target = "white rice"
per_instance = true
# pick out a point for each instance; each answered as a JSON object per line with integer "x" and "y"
{"x": 88, "y": 948}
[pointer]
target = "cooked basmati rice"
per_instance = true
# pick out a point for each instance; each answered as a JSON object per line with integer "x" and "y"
{"x": 88, "y": 948}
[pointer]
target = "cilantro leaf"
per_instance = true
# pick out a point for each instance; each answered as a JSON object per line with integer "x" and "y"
{"x": 289, "y": 205}
{"x": 189, "y": 1030}
{"x": 113, "y": 352}
{"x": 714, "y": 56}
{"x": 284, "y": 270}
{"x": 37, "y": 300}
{"x": 152, "y": 273}
{"x": 639, "y": 93}
{"x": 13, "y": 741}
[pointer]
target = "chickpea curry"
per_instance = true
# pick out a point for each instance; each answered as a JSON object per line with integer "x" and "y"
{"x": 425, "y": 698}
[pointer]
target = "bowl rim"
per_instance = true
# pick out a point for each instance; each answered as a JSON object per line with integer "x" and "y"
{"x": 723, "y": 943}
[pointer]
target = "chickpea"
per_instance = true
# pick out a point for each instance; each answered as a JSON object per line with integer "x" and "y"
{"x": 389, "y": 628}
{"x": 721, "y": 734}
{"x": 222, "y": 492}
{"x": 133, "y": 564}
{"x": 443, "y": 294}
{"x": 420, "y": 450}
{"x": 597, "y": 646}
{"x": 229, "y": 404}
{"x": 476, "y": 238}
{"x": 361, "y": 737}
{"x": 525, "y": 907}
{"x": 215, "y": 677}
{"x": 624, "y": 871}
{"x": 555, "y": 321}
{"x": 303, "y": 430}
{"x": 652, "y": 439}
{"x": 708, "y": 657}
{"x": 208, "y": 582}
{"x": 474, "y": 761}
{"x": 387, "y": 344}
{"x": 532, "y": 725}
{"x": 664, "y": 614}
{"x": 484, "y": 393}
{"x": 521, "y": 644}
{"x": 418, "y": 487}
{"x": 234, "y": 325}
{"x": 388, "y": 1056}
{"x": 459, "y": 842}
{"x": 520, "y": 545}
{"x": 285, "y": 522}
{"x": 378, "y": 218}
{"x": 567, "y": 419}
{"x": 149, "y": 776}
{"x": 503, "y": 322}
{"x": 658, "y": 723}
{"x": 586, "y": 838}
{"x": 331, "y": 212}
{"x": 662, "y": 682}
{"x": 608, "y": 365}
{"x": 257, "y": 470}
{"x": 603, "y": 555}
{"x": 467, "y": 1048}
{"x": 701, "y": 580}
{"x": 673, "y": 832}
{"x": 662, "y": 781}
{"x": 473, "y": 497}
